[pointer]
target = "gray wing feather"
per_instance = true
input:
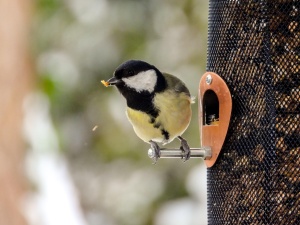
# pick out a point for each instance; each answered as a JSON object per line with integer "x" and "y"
{"x": 176, "y": 84}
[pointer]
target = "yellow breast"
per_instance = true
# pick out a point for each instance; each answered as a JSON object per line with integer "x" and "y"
{"x": 174, "y": 117}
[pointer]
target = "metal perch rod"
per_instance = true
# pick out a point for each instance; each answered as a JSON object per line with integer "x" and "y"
{"x": 204, "y": 153}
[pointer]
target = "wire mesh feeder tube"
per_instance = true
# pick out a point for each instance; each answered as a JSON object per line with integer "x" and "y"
{"x": 255, "y": 46}
{"x": 204, "y": 153}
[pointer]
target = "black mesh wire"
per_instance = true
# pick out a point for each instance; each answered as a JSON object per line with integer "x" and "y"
{"x": 255, "y": 46}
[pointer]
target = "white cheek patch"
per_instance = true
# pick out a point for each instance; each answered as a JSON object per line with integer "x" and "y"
{"x": 143, "y": 81}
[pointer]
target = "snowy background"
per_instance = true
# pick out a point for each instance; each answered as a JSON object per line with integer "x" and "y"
{"x": 84, "y": 163}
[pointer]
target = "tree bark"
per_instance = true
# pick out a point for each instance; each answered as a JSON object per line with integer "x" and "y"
{"x": 15, "y": 79}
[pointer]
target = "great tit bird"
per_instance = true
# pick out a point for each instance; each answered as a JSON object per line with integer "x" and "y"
{"x": 158, "y": 104}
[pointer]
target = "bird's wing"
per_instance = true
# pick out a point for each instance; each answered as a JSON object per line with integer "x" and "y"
{"x": 176, "y": 84}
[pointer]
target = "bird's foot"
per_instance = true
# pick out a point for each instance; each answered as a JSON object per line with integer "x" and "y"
{"x": 156, "y": 150}
{"x": 185, "y": 149}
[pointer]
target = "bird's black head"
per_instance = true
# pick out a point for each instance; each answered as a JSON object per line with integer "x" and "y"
{"x": 138, "y": 82}
{"x": 137, "y": 76}
{"x": 131, "y": 68}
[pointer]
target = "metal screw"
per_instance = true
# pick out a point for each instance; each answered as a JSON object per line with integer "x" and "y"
{"x": 208, "y": 79}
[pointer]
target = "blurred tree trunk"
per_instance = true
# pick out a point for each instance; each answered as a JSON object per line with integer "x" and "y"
{"x": 15, "y": 79}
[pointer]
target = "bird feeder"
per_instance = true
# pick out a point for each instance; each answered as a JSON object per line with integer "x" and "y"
{"x": 254, "y": 46}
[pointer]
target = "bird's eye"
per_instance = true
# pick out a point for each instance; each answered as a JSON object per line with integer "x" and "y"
{"x": 130, "y": 73}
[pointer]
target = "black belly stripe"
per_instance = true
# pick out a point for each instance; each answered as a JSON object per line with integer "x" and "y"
{"x": 141, "y": 101}
{"x": 156, "y": 125}
{"x": 152, "y": 120}
{"x": 165, "y": 134}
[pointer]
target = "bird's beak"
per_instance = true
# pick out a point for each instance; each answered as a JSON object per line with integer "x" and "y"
{"x": 111, "y": 81}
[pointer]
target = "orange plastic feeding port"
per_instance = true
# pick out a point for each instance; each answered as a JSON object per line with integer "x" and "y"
{"x": 215, "y": 106}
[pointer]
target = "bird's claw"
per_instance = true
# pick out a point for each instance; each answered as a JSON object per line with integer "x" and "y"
{"x": 185, "y": 149}
{"x": 156, "y": 151}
